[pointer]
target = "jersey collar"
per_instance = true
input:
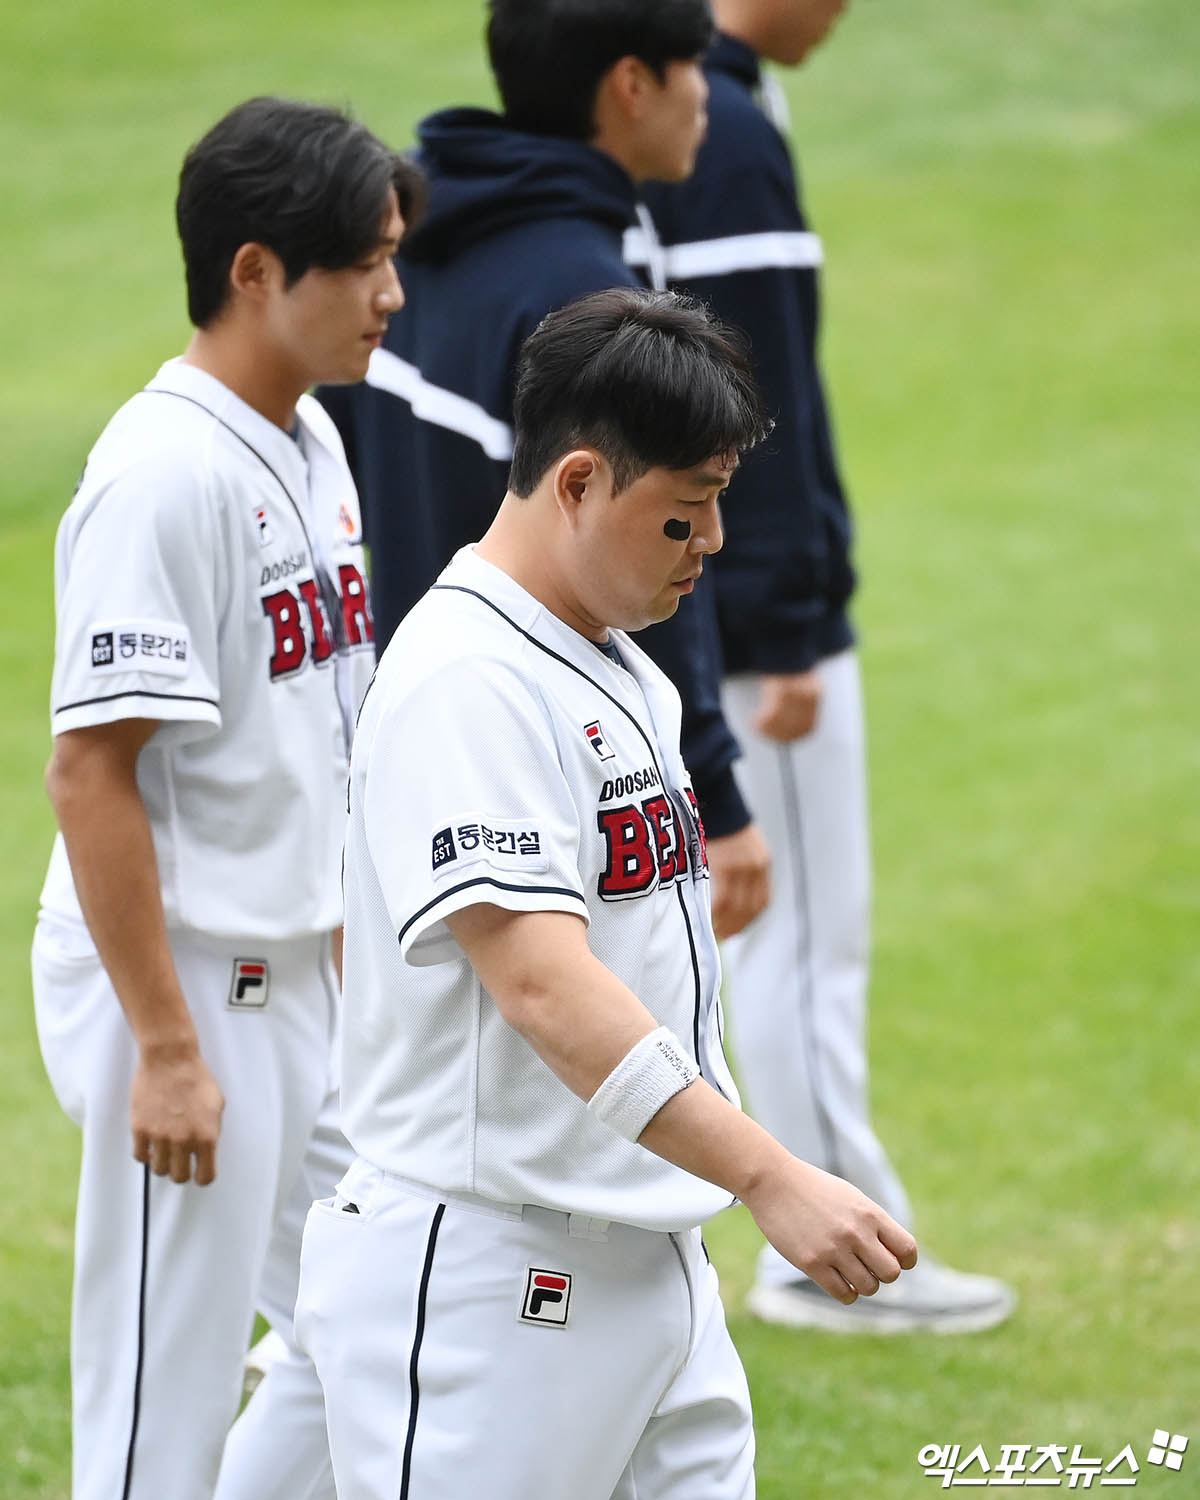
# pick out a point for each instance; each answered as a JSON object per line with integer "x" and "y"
{"x": 468, "y": 570}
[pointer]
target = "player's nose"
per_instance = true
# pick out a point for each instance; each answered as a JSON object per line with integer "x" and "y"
{"x": 391, "y": 295}
{"x": 709, "y": 536}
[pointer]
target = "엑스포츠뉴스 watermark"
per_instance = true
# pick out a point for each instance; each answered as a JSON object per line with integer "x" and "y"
{"x": 1046, "y": 1464}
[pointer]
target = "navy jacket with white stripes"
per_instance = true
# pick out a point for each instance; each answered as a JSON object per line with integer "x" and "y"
{"x": 735, "y": 235}
{"x": 517, "y": 225}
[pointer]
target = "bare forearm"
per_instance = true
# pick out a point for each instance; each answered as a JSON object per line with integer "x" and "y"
{"x": 175, "y": 1103}
{"x": 821, "y": 1224}
{"x": 585, "y": 1023}
{"x": 582, "y": 1020}
{"x": 700, "y": 1131}
{"x": 111, "y": 850}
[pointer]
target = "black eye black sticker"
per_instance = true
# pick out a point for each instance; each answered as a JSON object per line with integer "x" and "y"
{"x": 678, "y": 531}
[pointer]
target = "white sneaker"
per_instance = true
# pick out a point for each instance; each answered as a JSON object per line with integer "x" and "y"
{"x": 259, "y": 1360}
{"x": 930, "y": 1298}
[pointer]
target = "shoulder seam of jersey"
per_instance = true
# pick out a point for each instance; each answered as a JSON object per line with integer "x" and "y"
{"x": 500, "y": 885}
{"x": 134, "y": 693}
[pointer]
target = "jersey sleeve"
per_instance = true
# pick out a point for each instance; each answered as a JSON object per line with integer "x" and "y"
{"x": 465, "y": 801}
{"x": 138, "y": 606}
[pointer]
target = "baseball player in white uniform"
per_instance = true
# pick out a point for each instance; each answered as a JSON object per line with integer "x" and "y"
{"x": 508, "y": 1294}
{"x": 214, "y": 641}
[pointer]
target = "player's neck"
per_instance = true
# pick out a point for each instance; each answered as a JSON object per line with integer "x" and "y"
{"x": 742, "y": 20}
{"x": 516, "y": 550}
{"x": 219, "y": 352}
{"x": 617, "y": 135}
{"x": 615, "y": 147}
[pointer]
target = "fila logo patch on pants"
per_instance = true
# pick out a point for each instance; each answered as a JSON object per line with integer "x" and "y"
{"x": 547, "y": 1298}
{"x": 250, "y": 983}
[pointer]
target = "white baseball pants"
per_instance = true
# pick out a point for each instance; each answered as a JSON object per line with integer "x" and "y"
{"x": 438, "y": 1388}
{"x": 796, "y": 978}
{"x": 167, "y": 1275}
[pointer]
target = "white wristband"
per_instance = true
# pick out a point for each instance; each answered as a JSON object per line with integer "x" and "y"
{"x": 651, "y": 1072}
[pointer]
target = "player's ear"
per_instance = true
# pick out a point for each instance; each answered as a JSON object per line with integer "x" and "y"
{"x": 576, "y": 475}
{"x": 255, "y": 270}
{"x": 627, "y": 86}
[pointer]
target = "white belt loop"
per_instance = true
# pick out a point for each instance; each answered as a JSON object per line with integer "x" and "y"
{"x": 581, "y": 1227}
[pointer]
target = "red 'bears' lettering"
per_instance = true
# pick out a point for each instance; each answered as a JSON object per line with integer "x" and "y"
{"x": 632, "y": 864}
{"x": 672, "y": 860}
{"x": 283, "y": 609}
{"x": 644, "y": 846}
{"x": 291, "y": 644}
{"x": 322, "y": 645}
{"x": 356, "y": 610}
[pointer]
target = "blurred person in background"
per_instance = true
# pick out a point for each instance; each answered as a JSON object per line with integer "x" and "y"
{"x": 735, "y": 235}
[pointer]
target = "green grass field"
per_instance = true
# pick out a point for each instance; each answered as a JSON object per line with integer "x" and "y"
{"x": 1009, "y": 195}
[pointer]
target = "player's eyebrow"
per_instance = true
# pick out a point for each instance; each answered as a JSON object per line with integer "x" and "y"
{"x": 390, "y": 242}
{"x": 708, "y": 480}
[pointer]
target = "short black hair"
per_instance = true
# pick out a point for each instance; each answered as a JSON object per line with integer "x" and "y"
{"x": 648, "y": 379}
{"x": 308, "y": 182}
{"x": 550, "y": 55}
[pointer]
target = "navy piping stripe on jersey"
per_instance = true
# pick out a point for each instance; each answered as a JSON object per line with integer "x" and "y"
{"x": 800, "y": 898}
{"x": 141, "y": 1332}
{"x": 687, "y": 922}
{"x": 500, "y": 885}
{"x": 616, "y": 702}
{"x": 414, "y": 1389}
{"x": 135, "y": 693}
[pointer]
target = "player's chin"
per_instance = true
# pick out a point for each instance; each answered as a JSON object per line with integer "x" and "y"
{"x": 351, "y": 369}
{"x": 664, "y": 608}
{"x": 682, "y": 167}
{"x": 633, "y": 620}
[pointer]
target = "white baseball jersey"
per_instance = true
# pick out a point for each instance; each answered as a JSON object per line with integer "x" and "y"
{"x": 209, "y": 574}
{"x": 503, "y": 757}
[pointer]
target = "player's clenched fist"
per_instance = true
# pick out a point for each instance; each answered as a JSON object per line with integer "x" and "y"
{"x": 831, "y": 1231}
{"x": 175, "y": 1112}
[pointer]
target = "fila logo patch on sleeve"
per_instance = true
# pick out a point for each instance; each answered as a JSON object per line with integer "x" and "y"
{"x": 547, "y": 1298}
{"x": 160, "y": 647}
{"x": 250, "y": 983}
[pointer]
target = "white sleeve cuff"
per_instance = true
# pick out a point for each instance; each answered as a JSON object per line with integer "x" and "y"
{"x": 425, "y": 938}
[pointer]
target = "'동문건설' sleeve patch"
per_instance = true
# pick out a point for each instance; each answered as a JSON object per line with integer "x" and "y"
{"x": 502, "y": 843}
{"x": 161, "y": 647}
